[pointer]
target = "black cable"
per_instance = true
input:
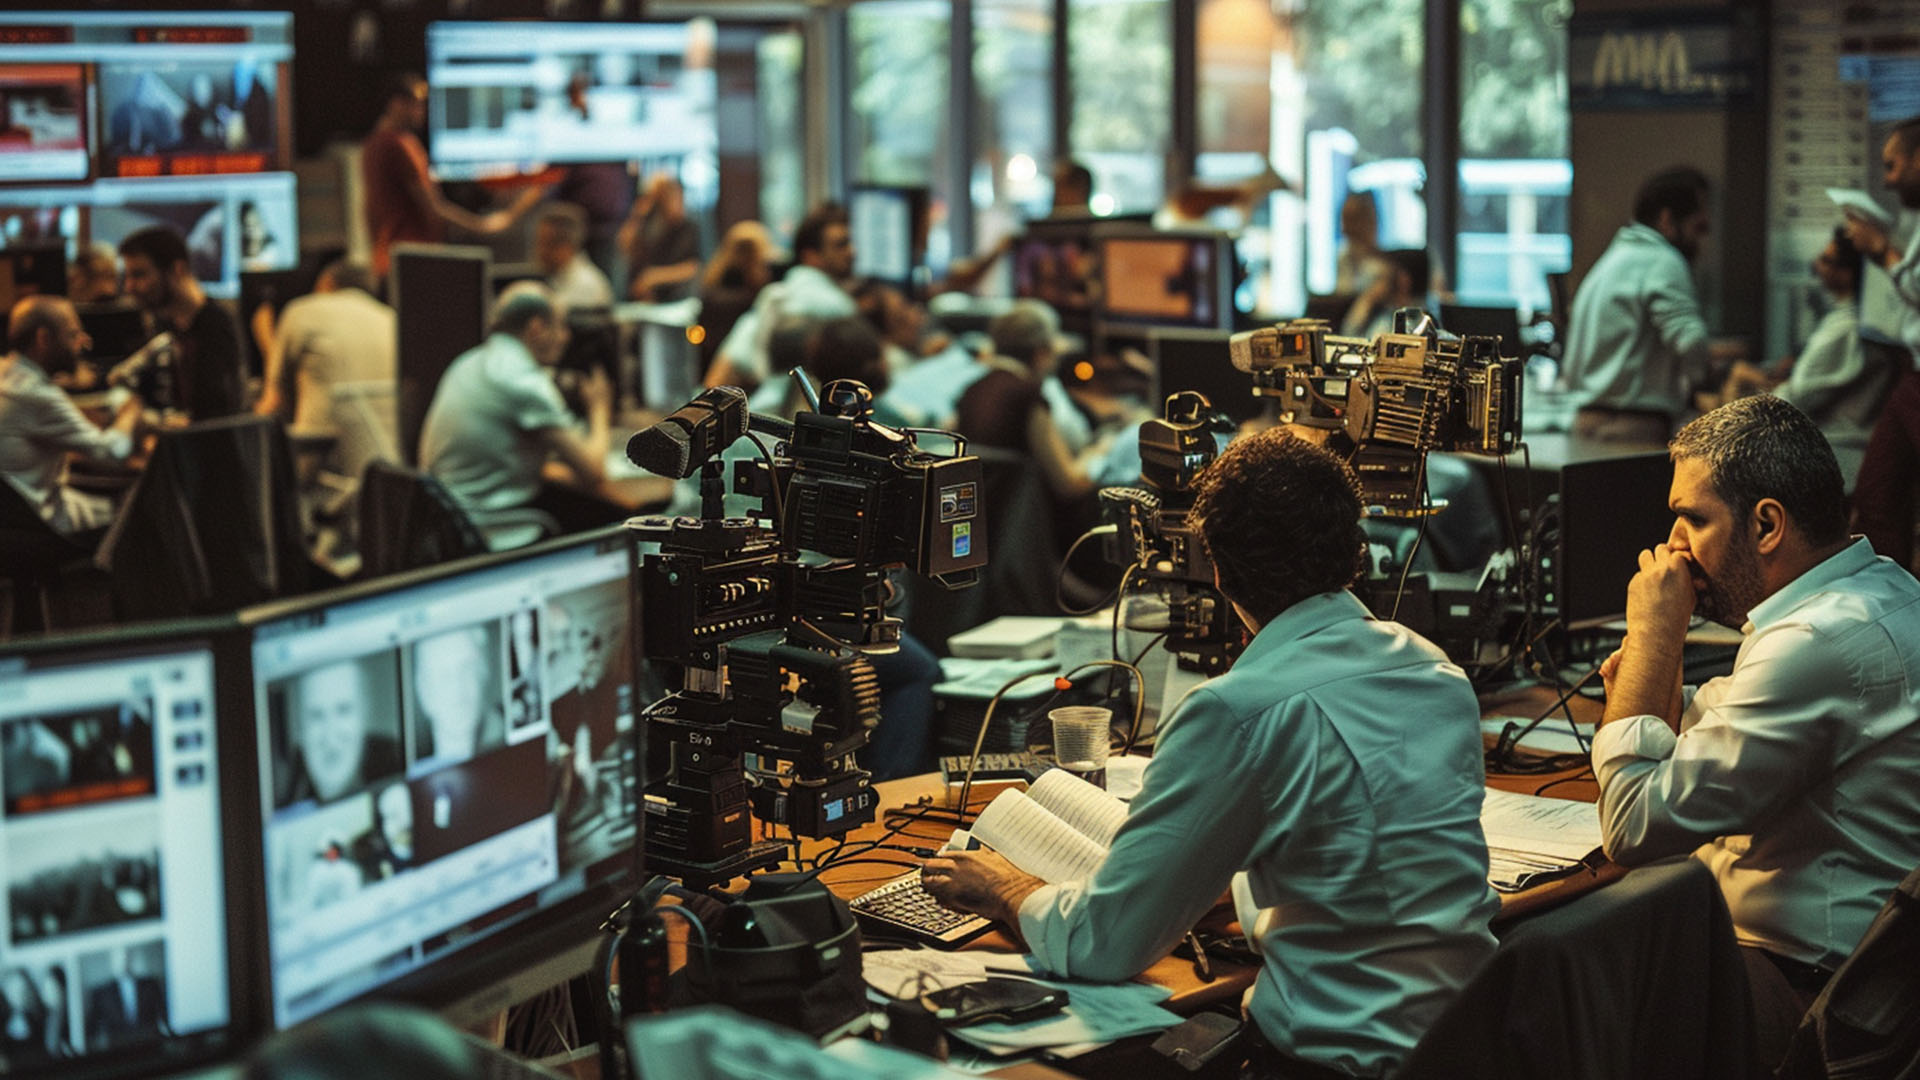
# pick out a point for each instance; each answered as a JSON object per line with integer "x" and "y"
{"x": 1420, "y": 485}
{"x": 1060, "y": 578}
{"x": 1142, "y": 655}
{"x": 1584, "y": 774}
{"x": 811, "y": 874}
{"x": 1509, "y": 741}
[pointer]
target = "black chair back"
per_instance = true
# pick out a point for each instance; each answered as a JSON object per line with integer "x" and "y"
{"x": 212, "y": 525}
{"x": 408, "y": 520}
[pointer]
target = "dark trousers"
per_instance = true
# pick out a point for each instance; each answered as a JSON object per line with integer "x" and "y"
{"x": 903, "y": 743}
{"x": 1883, "y": 493}
{"x": 1781, "y": 991}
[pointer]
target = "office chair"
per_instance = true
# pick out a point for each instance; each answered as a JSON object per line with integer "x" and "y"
{"x": 408, "y": 519}
{"x": 212, "y": 525}
{"x": 45, "y": 577}
{"x": 1862, "y": 1024}
{"x": 1640, "y": 978}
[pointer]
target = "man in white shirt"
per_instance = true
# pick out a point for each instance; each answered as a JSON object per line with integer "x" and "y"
{"x": 1883, "y": 494}
{"x": 1338, "y": 764}
{"x": 497, "y": 415}
{"x": 39, "y": 424}
{"x": 1636, "y": 341}
{"x": 559, "y": 234}
{"x": 813, "y": 289}
{"x": 1793, "y": 778}
{"x": 331, "y": 370}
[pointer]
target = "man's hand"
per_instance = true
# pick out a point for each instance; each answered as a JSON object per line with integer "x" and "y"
{"x": 1871, "y": 239}
{"x": 982, "y": 882}
{"x": 1660, "y": 598}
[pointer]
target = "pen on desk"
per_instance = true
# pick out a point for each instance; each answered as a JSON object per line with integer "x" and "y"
{"x": 1202, "y": 965}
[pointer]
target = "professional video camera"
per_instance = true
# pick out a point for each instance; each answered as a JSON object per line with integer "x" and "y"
{"x": 1152, "y": 525}
{"x": 1390, "y": 400}
{"x": 1395, "y": 398}
{"x": 769, "y": 617}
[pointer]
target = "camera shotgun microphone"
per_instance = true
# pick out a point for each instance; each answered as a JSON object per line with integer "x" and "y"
{"x": 677, "y": 446}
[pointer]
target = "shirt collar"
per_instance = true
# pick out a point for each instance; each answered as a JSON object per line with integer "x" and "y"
{"x": 25, "y": 363}
{"x": 1309, "y": 616}
{"x": 1846, "y": 562}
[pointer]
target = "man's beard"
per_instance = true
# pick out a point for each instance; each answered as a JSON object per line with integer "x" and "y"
{"x": 1729, "y": 595}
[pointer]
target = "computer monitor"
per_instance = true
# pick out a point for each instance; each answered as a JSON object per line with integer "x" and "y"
{"x": 1198, "y": 360}
{"x": 124, "y": 937}
{"x": 507, "y": 97}
{"x": 447, "y": 779}
{"x": 1500, "y": 322}
{"x": 1057, "y": 262}
{"x": 116, "y": 327}
{"x": 1610, "y": 509}
{"x": 1167, "y": 279}
{"x": 888, "y": 225}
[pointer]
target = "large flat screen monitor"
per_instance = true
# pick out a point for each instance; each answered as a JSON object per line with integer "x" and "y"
{"x": 447, "y": 779}
{"x": 121, "y": 930}
{"x": 1057, "y": 262}
{"x": 1167, "y": 279}
{"x": 508, "y": 97}
{"x": 112, "y": 121}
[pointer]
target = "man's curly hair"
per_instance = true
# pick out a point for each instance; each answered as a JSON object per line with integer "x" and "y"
{"x": 1280, "y": 518}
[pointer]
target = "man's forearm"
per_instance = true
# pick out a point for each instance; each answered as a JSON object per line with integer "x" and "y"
{"x": 1647, "y": 682}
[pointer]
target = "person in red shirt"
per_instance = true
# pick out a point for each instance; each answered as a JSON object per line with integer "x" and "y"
{"x": 402, "y": 201}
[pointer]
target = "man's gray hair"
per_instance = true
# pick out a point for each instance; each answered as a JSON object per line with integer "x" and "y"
{"x": 32, "y": 315}
{"x": 1024, "y": 331}
{"x": 1762, "y": 447}
{"x": 521, "y": 303}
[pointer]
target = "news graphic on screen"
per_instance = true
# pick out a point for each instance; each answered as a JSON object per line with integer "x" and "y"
{"x": 174, "y": 93}
{"x": 110, "y": 842}
{"x": 231, "y": 224}
{"x": 442, "y": 762}
{"x": 1058, "y": 263}
{"x": 43, "y": 123}
{"x": 513, "y": 97}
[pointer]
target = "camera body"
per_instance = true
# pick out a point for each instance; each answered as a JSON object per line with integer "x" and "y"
{"x": 1156, "y": 538}
{"x": 1396, "y": 397}
{"x": 769, "y": 618}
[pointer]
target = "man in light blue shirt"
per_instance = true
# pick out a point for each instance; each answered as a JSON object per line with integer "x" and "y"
{"x": 497, "y": 415}
{"x": 1796, "y": 778}
{"x": 812, "y": 289}
{"x": 1636, "y": 341}
{"x": 1338, "y": 764}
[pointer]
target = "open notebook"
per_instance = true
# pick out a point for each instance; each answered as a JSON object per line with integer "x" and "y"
{"x": 1058, "y": 830}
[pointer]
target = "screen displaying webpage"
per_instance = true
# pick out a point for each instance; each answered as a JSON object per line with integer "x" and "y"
{"x": 110, "y": 847}
{"x": 441, "y": 763}
{"x": 513, "y": 96}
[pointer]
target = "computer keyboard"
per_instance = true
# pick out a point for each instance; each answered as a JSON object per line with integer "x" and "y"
{"x": 902, "y": 908}
{"x": 1023, "y": 765}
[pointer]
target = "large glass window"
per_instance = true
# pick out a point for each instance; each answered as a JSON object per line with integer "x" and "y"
{"x": 1120, "y": 54}
{"x": 899, "y": 94}
{"x": 783, "y": 166}
{"x": 1013, "y": 115}
{"x": 1515, "y": 176}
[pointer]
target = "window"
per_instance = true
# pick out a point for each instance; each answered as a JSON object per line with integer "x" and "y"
{"x": 1515, "y": 176}
{"x": 1013, "y": 115}
{"x": 783, "y": 178}
{"x": 899, "y": 93}
{"x": 1120, "y": 54}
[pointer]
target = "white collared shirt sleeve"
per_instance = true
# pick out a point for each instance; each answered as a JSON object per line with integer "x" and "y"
{"x": 1751, "y": 743}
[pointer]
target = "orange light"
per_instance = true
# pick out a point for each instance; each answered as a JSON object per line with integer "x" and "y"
{"x": 1061, "y": 682}
{"x": 696, "y": 333}
{"x": 1083, "y": 371}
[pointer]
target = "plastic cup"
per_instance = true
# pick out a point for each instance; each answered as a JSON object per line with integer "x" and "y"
{"x": 1080, "y": 740}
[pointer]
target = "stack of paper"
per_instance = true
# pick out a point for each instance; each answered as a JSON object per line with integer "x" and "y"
{"x": 1530, "y": 837}
{"x": 1096, "y": 1014}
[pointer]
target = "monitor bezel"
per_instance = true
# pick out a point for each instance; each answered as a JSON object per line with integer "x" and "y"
{"x": 239, "y": 799}
{"x": 1220, "y": 285}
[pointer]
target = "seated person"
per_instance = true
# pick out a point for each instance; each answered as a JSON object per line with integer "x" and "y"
{"x": 1338, "y": 763}
{"x": 1007, "y": 407}
{"x": 558, "y": 235}
{"x": 39, "y": 424}
{"x": 1401, "y": 283}
{"x": 813, "y": 288}
{"x": 497, "y": 415}
{"x": 1792, "y": 778}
